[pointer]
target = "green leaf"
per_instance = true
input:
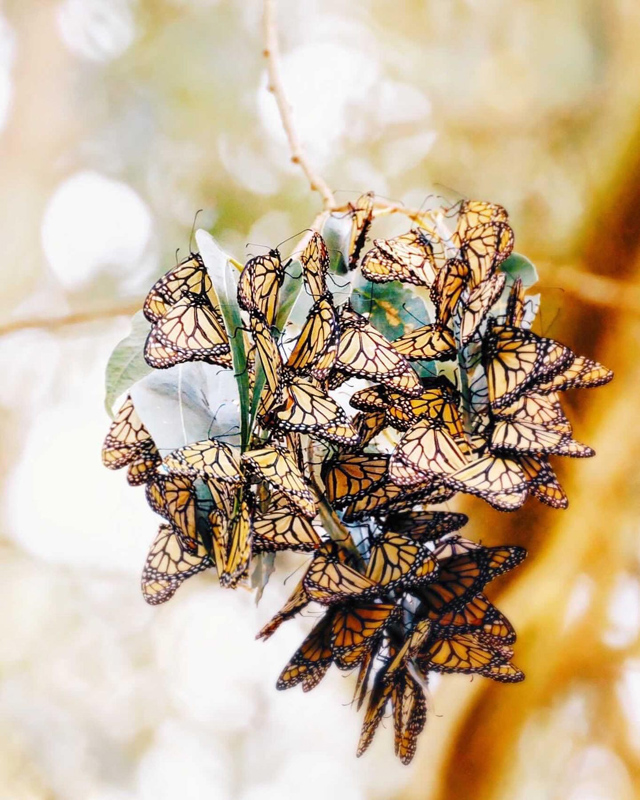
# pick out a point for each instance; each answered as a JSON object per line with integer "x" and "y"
{"x": 394, "y": 308}
{"x": 224, "y": 279}
{"x": 336, "y": 232}
{"x": 264, "y": 565}
{"x": 517, "y": 266}
{"x": 126, "y": 365}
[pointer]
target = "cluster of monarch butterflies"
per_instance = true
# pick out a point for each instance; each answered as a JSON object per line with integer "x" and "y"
{"x": 468, "y": 401}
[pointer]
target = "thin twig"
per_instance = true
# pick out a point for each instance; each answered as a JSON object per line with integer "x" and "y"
{"x": 77, "y": 318}
{"x": 298, "y": 156}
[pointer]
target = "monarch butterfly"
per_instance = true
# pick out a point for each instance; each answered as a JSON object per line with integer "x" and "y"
{"x": 484, "y": 248}
{"x": 409, "y": 713}
{"x": 298, "y": 600}
{"x": 428, "y": 525}
{"x": 462, "y": 577}
{"x": 239, "y": 553}
{"x": 514, "y": 315}
{"x": 447, "y": 288}
{"x": 544, "y": 410}
{"x": 356, "y": 628}
{"x": 329, "y": 579}
{"x": 362, "y": 214}
{"x": 142, "y": 469}
{"x": 464, "y": 652}
{"x": 222, "y": 494}
{"x": 542, "y": 482}
{"x": 312, "y": 659}
{"x": 368, "y": 425}
{"x": 191, "y": 330}
{"x": 498, "y": 480}
{"x": 429, "y": 343}
{"x": 364, "y": 352}
{"x": 349, "y": 476}
{"x": 303, "y": 406}
{"x": 582, "y": 373}
{"x": 267, "y": 349}
{"x": 127, "y": 439}
{"x": 516, "y": 360}
{"x": 408, "y": 258}
{"x": 478, "y": 615}
{"x": 428, "y": 449}
{"x": 372, "y": 398}
{"x": 472, "y": 213}
{"x": 174, "y": 498}
{"x": 409, "y": 716}
{"x": 169, "y": 563}
{"x": 315, "y": 265}
{"x": 438, "y": 401}
{"x": 522, "y": 436}
{"x": 389, "y": 497}
{"x": 219, "y": 532}
{"x": 275, "y": 465}
{"x": 187, "y": 277}
{"x": 260, "y": 283}
{"x": 316, "y": 348}
{"x": 209, "y": 458}
{"x": 398, "y": 559}
{"x": 282, "y": 530}
{"x": 476, "y": 303}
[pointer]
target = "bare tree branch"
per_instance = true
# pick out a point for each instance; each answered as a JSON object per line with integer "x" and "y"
{"x": 298, "y": 155}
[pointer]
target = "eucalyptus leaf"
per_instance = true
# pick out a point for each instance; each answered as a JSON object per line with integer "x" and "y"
{"x": 126, "y": 364}
{"x": 336, "y": 233}
{"x": 394, "y": 308}
{"x": 188, "y": 403}
{"x": 518, "y": 266}
{"x": 224, "y": 279}
{"x": 264, "y": 565}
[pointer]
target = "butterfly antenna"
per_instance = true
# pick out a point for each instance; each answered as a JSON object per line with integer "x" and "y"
{"x": 193, "y": 229}
{"x": 295, "y": 236}
{"x": 215, "y": 416}
{"x": 411, "y": 314}
{"x": 228, "y": 432}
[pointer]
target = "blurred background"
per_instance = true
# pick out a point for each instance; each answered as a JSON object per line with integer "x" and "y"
{"x": 119, "y": 119}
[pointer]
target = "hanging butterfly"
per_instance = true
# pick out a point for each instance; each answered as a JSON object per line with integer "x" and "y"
{"x": 467, "y": 653}
{"x": 484, "y": 248}
{"x": 517, "y": 360}
{"x": 582, "y": 373}
{"x": 174, "y": 498}
{"x": 356, "y": 629}
{"x": 349, "y": 476}
{"x": 371, "y": 398}
{"x": 329, "y": 578}
{"x": 189, "y": 277}
{"x": 426, "y": 451}
{"x": 312, "y": 659}
{"x": 475, "y": 304}
{"x": 439, "y": 401}
{"x": 363, "y": 352}
{"x": 316, "y": 348}
{"x": 427, "y": 343}
{"x": 390, "y": 497}
{"x": 398, "y": 560}
{"x": 408, "y": 258}
{"x": 315, "y": 266}
{"x": 368, "y": 425}
{"x": 477, "y": 616}
{"x": 542, "y": 482}
{"x": 463, "y": 576}
{"x": 238, "y": 556}
{"x": 298, "y": 600}
{"x": 473, "y": 213}
{"x": 267, "y": 350}
{"x": 301, "y": 405}
{"x": 191, "y": 330}
{"x": 128, "y": 441}
{"x": 276, "y": 466}
{"x": 259, "y": 285}
{"x": 283, "y": 530}
{"x": 209, "y": 458}
{"x": 362, "y": 215}
{"x": 498, "y": 480}
{"x": 537, "y": 409}
{"x": 169, "y": 564}
{"x": 447, "y": 288}
{"x": 426, "y": 525}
